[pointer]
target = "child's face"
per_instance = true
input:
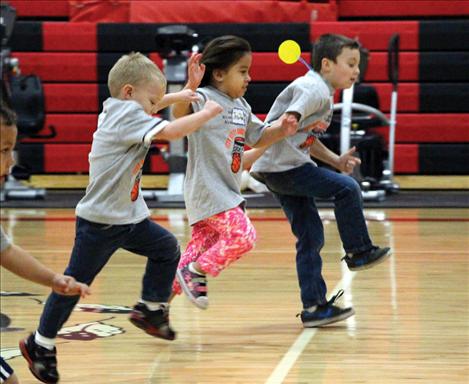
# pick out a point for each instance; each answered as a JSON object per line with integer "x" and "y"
{"x": 234, "y": 81}
{"x": 148, "y": 95}
{"x": 7, "y": 144}
{"x": 344, "y": 72}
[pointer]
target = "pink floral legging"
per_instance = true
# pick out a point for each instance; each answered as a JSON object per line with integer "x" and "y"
{"x": 218, "y": 241}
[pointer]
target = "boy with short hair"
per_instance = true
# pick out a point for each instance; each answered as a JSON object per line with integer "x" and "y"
{"x": 113, "y": 213}
{"x": 287, "y": 169}
{"x": 14, "y": 258}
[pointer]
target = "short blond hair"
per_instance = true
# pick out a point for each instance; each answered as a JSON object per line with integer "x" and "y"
{"x": 133, "y": 69}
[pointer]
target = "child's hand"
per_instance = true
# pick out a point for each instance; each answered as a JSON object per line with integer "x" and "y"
{"x": 68, "y": 286}
{"x": 213, "y": 108}
{"x": 187, "y": 95}
{"x": 195, "y": 71}
{"x": 348, "y": 161}
{"x": 289, "y": 124}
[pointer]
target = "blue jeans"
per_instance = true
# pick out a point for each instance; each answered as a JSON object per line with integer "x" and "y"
{"x": 296, "y": 190}
{"x": 95, "y": 244}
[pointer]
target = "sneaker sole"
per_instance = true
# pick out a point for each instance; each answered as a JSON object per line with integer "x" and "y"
{"x": 150, "y": 329}
{"x": 201, "y": 302}
{"x": 24, "y": 352}
{"x": 320, "y": 323}
{"x": 372, "y": 264}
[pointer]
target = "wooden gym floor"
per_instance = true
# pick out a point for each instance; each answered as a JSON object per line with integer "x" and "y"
{"x": 411, "y": 323}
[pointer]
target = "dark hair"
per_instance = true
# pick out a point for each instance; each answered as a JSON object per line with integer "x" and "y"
{"x": 7, "y": 116}
{"x": 221, "y": 53}
{"x": 330, "y": 46}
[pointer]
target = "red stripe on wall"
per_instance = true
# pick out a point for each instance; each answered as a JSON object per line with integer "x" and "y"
{"x": 431, "y": 128}
{"x": 408, "y": 97}
{"x": 71, "y": 97}
{"x": 378, "y": 67}
{"x": 73, "y": 37}
{"x": 383, "y": 8}
{"x": 406, "y": 158}
{"x": 70, "y": 128}
{"x": 269, "y": 67}
{"x": 373, "y": 35}
{"x": 62, "y": 158}
{"x": 59, "y": 67}
{"x": 33, "y": 8}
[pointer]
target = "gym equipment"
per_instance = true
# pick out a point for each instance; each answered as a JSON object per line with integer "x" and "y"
{"x": 24, "y": 94}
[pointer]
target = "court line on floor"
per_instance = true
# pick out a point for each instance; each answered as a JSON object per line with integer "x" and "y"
{"x": 291, "y": 356}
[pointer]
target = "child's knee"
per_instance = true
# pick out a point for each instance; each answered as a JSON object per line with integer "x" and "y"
{"x": 247, "y": 238}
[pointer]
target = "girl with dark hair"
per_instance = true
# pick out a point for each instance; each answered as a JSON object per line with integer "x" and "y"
{"x": 221, "y": 230}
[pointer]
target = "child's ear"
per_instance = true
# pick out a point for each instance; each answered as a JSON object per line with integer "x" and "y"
{"x": 127, "y": 91}
{"x": 325, "y": 65}
{"x": 218, "y": 74}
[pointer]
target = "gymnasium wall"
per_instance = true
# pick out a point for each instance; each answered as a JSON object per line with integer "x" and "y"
{"x": 72, "y": 45}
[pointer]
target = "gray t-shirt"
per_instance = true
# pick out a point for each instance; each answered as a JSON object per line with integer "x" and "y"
{"x": 312, "y": 98}
{"x": 4, "y": 240}
{"x": 213, "y": 176}
{"x": 120, "y": 144}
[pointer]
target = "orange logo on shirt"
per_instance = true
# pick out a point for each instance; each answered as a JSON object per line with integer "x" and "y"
{"x": 308, "y": 142}
{"x": 237, "y": 154}
{"x": 136, "y": 188}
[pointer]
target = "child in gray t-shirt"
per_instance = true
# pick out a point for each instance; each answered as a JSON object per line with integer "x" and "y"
{"x": 287, "y": 169}
{"x": 221, "y": 230}
{"x": 14, "y": 258}
{"x": 113, "y": 214}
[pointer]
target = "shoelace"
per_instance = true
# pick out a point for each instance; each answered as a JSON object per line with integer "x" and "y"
{"x": 331, "y": 301}
{"x": 336, "y": 297}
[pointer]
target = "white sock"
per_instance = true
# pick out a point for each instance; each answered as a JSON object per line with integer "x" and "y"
{"x": 311, "y": 309}
{"x": 44, "y": 341}
{"x": 193, "y": 270}
{"x": 154, "y": 305}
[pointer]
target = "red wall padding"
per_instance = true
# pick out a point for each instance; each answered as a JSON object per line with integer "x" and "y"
{"x": 82, "y": 67}
{"x": 72, "y": 158}
{"x": 410, "y": 128}
{"x": 374, "y": 35}
{"x": 71, "y": 97}
{"x": 66, "y": 158}
{"x": 34, "y": 8}
{"x": 241, "y": 11}
{"x": 69, "y": 37}
{"x": 70, "y": 128}
{"x": 383, "y": 8}
{"x": 59, "y": 67}
{"x": 406, "y": 158}
{"x": 432, "y": 128}
{"x": 378, "y": 66}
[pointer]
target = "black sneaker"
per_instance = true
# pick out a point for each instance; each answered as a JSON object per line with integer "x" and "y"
{"x": 194, "y": 286}
{"x": 326, "y": 314}
{"x": 42, "y": 361}
{"x": 155, "y": 323}
{"x": 367, "y": 259}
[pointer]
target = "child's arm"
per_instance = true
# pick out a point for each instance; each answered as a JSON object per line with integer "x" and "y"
{"x": 286, "y": 125}
{"x": 183, "y": 96}
{"x": 195, "y": 74}
{"x": 251, "y": 155}
{"x": 187, "y": 124}
{"x": 344, "y": 163}
{"x": 21, "y": 263}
